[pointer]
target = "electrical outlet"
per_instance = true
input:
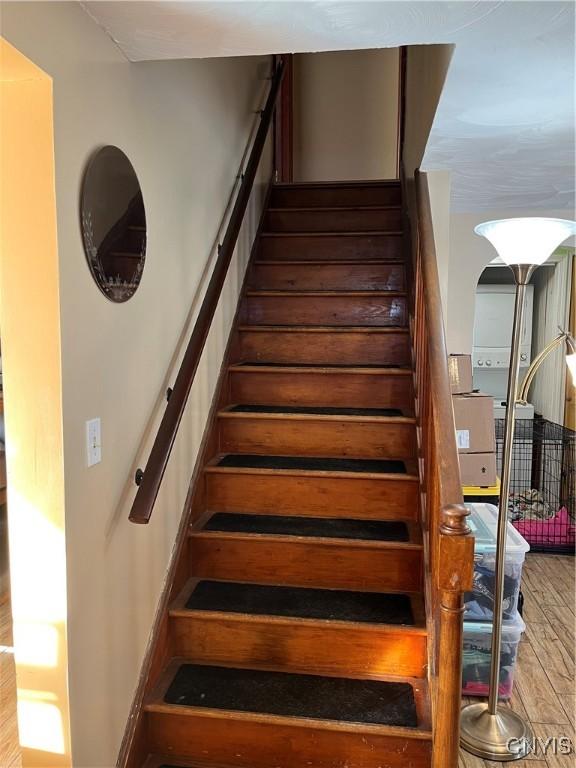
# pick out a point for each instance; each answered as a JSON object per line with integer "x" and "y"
{"x": 93, "y": 442}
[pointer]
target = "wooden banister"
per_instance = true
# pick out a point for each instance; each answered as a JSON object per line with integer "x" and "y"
{"x": 449, "y": 547}
{"x": 455, "y": 554}
{"x": 151, "y": 478}
{"x": 438, "y": 362}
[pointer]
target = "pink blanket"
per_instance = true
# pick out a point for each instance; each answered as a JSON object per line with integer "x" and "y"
{"x": 557, "y": 530}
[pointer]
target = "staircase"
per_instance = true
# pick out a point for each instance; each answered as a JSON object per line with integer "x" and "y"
{"x": 296, "y": 635}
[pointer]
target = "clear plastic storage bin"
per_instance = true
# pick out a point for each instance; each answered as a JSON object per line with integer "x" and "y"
{"x": 477, "y": 654}
{"x": 479, "y": 604}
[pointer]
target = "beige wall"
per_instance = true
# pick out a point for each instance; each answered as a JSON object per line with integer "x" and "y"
{"x": 184, "y": 126}
{"x": 345, "y": 115}
{"x": 426, "y": 69}
{"x": 439, "y": 189}
{"x": 30, "y": 322}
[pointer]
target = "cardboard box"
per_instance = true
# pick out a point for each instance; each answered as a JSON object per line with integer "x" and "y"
{"x": 474, "y": 421}
{"x": 478, "y": 469}
{"x": 460, "y": 372}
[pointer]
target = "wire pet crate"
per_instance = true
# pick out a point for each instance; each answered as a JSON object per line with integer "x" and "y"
{"x": 542, "y": 502}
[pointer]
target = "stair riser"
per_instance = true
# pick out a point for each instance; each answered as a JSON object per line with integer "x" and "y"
{"x": 326, "y": 310}
{"x": 330, "y": 248}
{"x": 328, "y": 277}
{"x": 305, "y": 563}
{"x": 345, "y": 390}
{"x": 326, "y": 197}
{"x": 299, "y": 646}
{"x": 266, "y": 742}
{"x": 316, "y": 496}
{"x": 307, "y": 437}
{"x": 325, "y": 348}
{"x": 333, "y": 221}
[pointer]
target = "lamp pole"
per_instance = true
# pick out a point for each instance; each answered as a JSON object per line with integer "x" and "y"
{"x": 522, "y": 274}
{"x": 487, "y": 730}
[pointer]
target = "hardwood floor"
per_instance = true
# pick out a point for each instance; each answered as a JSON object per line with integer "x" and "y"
{"x": 544, "y": 684}
{"x": 9, "y": 745}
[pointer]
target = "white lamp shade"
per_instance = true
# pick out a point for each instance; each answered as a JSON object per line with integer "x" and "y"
{"x": 527, "y": 240}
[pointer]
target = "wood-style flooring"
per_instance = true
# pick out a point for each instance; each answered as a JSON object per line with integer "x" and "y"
{"x": 544, "y": 684}
{"x": 9, "y": 744}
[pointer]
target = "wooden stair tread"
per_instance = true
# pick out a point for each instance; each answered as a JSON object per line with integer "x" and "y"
{"x": 382, "y": 329}
{"x": 314, "y": 411}
{"x": 325, "y": 294}
{"x": 321, "y": 209}
{"x": 354, "y": 183}
{"x": 310, "y": 528}
{"x": 159, "y": 761}
{"x": 307, "y": 414}
{"x": 320, "y": 699}
{"x": 331, "y": 233}
{"x": 357, "y": 545}
{"x": 172, "y": 761}
{"x": 376, "y": 370}
{"x": 317, "y": 527}
{"x": 403, "y": 611}
{"x": 215, "y": 469}
{"x": 311, "y": 463}
{"x": 314, "y": 367}
{"x": 365, "y": 262}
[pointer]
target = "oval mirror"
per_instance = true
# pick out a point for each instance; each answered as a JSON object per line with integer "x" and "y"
{"x": 113, "y": 223}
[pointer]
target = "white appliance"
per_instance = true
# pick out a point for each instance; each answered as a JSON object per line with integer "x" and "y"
{"x": 522, "y": 411}
{"x": 493, "y": 336}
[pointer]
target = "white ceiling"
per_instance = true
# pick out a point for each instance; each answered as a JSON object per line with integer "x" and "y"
{"x": 505, "y": 122}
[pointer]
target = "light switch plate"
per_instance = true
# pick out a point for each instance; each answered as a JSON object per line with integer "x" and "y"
{"x": 93, "y": 442}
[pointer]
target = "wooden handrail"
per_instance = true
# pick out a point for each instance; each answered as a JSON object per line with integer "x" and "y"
{"x": 449, "y": 547}
{"x": 151, "y": 478}
{"x": 449, "y": 477}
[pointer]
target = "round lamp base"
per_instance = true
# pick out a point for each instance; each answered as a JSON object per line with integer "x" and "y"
{"x": 501, "y": 737}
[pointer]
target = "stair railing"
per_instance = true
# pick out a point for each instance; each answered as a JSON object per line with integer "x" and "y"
{"x": 150, "y": 479}
{"x": 449, "y": 547}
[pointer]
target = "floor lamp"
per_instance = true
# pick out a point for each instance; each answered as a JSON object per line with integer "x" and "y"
{"x": 488, "y": 730}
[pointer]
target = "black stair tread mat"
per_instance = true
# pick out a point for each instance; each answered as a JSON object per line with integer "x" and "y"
{"x": 315, "y": 410}
{"x": 186, "y": 762}
{"x": 302, "y": 602}
{"x": 332, "y": 528}
{"x": 264, "y": 364}
{"x": 252, "y": 460}
{"x": 292, "y": 695}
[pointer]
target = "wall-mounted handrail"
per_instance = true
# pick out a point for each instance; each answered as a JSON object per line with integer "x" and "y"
{"x": 151, "y": 478}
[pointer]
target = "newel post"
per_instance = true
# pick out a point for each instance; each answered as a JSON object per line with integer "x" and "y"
{"x": 455, "y": 565}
